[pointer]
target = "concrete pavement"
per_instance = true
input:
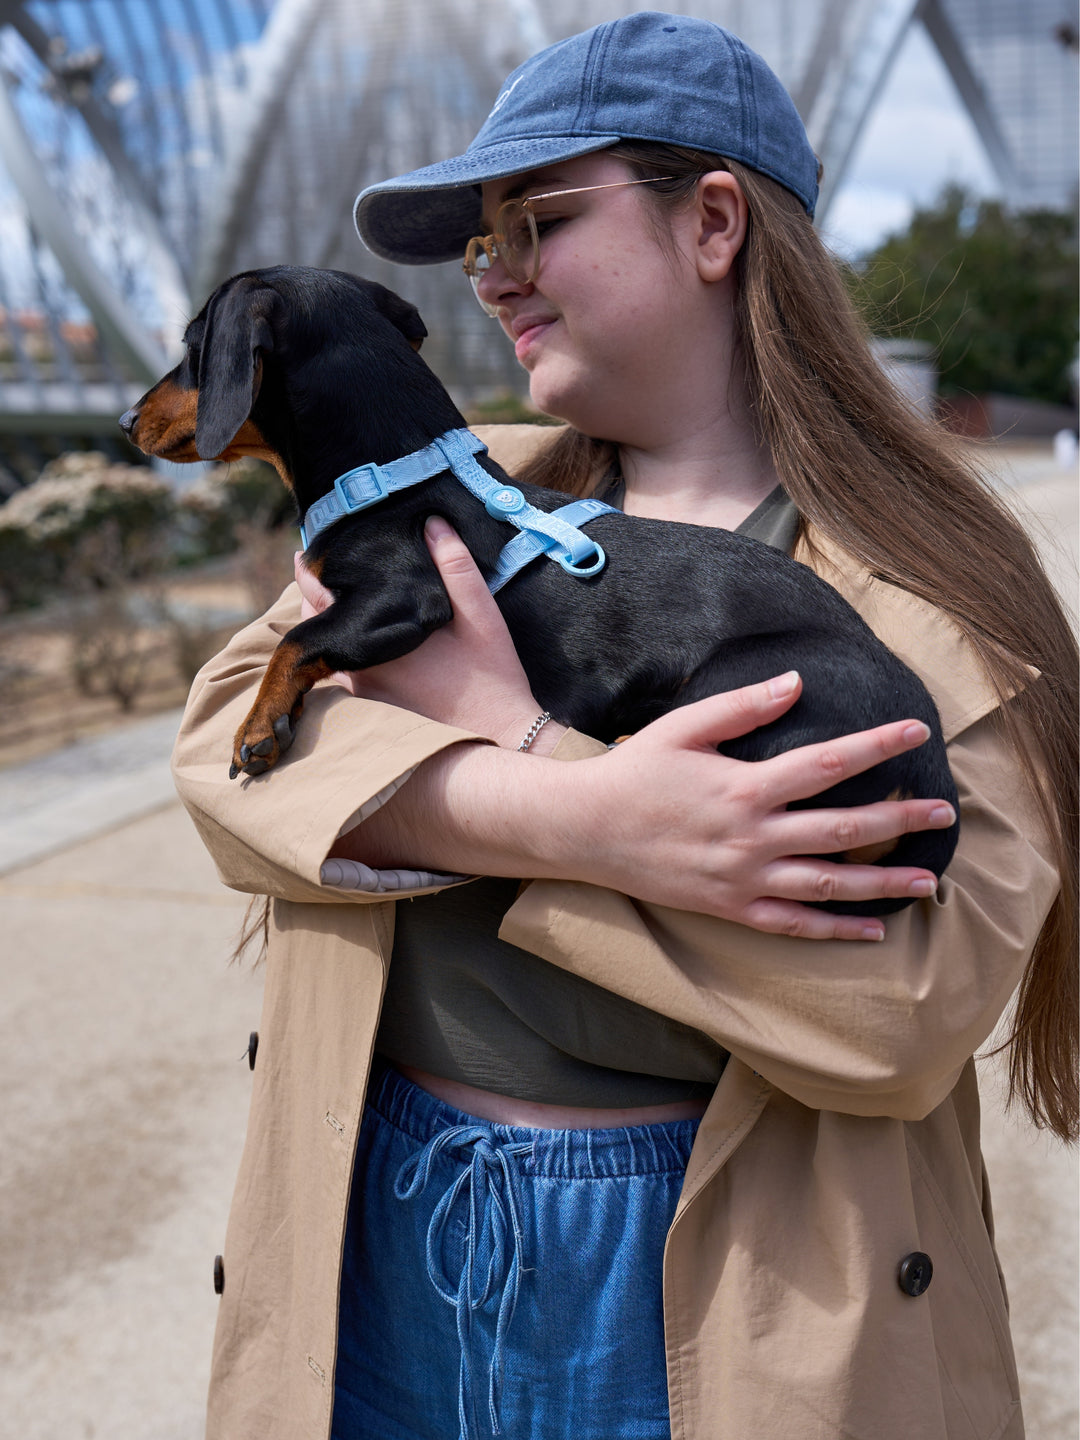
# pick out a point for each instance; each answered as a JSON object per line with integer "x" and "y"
{"x": 85, "y": 790}
{"x": 125, "y": 1083}
{"x": 123, "y": 1037}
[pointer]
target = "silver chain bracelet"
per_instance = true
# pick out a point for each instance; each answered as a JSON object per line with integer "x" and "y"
{"x": 534, "y": 730}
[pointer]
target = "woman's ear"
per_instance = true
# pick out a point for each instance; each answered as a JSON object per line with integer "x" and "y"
{"x": 721, "y": 215}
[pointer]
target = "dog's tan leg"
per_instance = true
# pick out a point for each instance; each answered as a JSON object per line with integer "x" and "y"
{"x": 270, "y": 726}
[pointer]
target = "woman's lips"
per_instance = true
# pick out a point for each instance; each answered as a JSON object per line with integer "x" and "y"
{"x": 527, "y": 331}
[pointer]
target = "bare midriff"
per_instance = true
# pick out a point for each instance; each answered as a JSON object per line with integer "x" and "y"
{"x": 505, "y": 1110}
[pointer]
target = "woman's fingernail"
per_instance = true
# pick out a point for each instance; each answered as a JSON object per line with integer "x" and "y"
{"x": 942, "y": 815}
{"x": 437, "y": 528}
{"x": 874, "y": 932}
{"x": 916, "y": 733}
{"x": 925, "y": 886}
{"x": 783, "y": 684}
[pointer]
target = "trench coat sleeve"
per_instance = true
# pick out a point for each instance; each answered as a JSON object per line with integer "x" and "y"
{"x": 270, "y": 835}
{"x": 865, "y": 1029}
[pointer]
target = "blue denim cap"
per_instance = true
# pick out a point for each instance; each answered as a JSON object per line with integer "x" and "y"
{"x": 646, "y": 76}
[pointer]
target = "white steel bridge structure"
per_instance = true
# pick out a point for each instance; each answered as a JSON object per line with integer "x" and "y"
{"x": 149, "y": 148}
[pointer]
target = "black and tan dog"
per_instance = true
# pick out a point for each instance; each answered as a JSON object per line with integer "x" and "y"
{"x": 317, "y": 372}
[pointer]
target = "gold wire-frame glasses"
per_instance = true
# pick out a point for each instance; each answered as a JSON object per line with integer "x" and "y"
{"x": 515, "y": 239}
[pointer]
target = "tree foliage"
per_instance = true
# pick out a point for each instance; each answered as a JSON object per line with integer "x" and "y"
{"x": 994, "y": 291}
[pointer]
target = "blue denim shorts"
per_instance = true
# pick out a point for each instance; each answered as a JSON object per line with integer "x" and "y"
{"x": 499, "y": 1280}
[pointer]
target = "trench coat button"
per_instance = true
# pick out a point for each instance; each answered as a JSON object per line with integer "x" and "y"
{"x": 253, "y": 1046}
{"x": 915, "y": 1273}
{"x": 219, "y": 1275}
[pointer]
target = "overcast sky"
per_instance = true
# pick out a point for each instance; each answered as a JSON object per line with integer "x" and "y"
{"x": 918, "y": 138}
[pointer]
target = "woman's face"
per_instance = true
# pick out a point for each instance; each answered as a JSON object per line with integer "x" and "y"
{"x": 608, "y": 324}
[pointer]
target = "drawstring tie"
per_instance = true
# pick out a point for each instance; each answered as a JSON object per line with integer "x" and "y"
{"x": 488, "y": 1187}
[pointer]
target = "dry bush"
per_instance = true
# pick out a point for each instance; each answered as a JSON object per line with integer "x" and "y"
{"x": 110, "y": 652}
{"x": 266, "y": 560}
{"x": 108, "y": 616}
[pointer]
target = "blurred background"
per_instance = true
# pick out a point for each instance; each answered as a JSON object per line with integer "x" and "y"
{"x": 149, "y": 149}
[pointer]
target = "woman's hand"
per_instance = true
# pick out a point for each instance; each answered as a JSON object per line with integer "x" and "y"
{"x": 467, "y": 673}
{"x": 720, "y": 838}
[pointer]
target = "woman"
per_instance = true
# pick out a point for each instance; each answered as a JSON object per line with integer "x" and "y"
{"x": 649, "y": 1162}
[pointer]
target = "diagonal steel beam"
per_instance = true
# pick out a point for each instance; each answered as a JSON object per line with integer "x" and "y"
{"x": 116, "y": 323}
{"x": 976, "y": 102}
{"x": 864, "y": 74}
{"x": 101, "y": 125}
{"x": 272, "y": 69}
{"x": 827, "y": 42}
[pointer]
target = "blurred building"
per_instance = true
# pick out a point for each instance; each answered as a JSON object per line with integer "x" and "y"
{"x": 149, "y": 148}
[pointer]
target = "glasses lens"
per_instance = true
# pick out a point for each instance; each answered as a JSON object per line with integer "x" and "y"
{"x": 477, "y": 264}
{"x": 516, "y": 239}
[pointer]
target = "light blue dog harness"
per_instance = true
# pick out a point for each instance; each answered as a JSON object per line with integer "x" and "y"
{"x": 555, "y": 535}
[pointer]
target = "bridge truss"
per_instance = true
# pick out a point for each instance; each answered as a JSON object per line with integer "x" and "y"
{"x": 148, "y": 148}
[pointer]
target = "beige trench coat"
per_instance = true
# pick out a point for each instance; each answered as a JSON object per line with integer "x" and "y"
{"x": 844, "y": 1133}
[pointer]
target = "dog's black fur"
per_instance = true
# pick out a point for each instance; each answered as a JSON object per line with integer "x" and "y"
{"x": 318, "y": 372}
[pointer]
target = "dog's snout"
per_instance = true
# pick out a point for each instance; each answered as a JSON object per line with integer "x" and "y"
{"x": 128, "y": 420}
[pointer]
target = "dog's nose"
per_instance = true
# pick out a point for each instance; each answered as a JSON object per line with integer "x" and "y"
{"x": 128, "y": 420}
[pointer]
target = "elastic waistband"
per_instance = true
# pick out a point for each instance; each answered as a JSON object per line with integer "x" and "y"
{"x": 661, "y": 1149}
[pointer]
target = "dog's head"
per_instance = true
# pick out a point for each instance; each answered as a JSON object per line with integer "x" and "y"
{"x": 207, "y": 408}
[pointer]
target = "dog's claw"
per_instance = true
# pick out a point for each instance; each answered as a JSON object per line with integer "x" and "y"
{"x": 283, "y": 730}
{"x": 256, "y": 766}
{"x": 234, "y": 770}
{"x": 245, "y": 754}
{"x": 264, "y": 747}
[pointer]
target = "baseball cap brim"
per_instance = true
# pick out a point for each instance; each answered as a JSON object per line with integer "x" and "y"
{"x": 430, "y": 215}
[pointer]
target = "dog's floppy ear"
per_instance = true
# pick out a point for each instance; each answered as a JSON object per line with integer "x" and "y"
{"x": 237, "y": 332}
{"x": 400, "y": 313}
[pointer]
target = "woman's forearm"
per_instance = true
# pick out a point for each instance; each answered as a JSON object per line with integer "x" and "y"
{"x": 622, "y": 820}
{"x": 476, "y": 809}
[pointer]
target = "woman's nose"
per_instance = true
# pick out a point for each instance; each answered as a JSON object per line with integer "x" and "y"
{"x": 496, "y": 284}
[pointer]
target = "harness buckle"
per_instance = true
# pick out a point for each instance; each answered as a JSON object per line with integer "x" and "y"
{"x": 359, "y": 488}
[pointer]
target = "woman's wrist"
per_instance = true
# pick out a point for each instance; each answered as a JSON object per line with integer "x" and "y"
{"x": 538, "y": 738}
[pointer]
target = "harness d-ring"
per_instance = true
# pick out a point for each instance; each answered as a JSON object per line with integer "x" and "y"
{"x": 583, "y": 571}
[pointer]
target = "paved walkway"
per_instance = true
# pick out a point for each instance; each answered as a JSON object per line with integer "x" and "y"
{"x": 123, "y": 1036}
{"x": 85, "y": 789}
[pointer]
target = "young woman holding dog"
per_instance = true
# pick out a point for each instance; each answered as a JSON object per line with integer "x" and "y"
{"x": 650, "y": 1163}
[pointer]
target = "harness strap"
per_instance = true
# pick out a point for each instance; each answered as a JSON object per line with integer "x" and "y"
{"x": 554, "y": 534}
{"x": 368, "y": 484}
{"x": 525, "y": 548}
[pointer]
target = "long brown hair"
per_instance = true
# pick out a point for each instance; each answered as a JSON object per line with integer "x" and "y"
{"x": 901, "y": 496}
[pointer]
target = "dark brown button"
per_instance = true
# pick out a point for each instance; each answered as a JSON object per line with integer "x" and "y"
{"x": 219, "y": 1275}
{"x": 915, "y": 1273}
{"x": 253, "y": 1048}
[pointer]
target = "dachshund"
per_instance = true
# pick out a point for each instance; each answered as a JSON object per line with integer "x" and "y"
{"x": 318, "y": 372}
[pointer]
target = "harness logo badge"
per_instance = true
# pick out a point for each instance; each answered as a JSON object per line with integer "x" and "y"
{"x": 504, "y": 503}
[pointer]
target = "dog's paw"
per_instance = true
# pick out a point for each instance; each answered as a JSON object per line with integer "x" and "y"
{"x": 259, "y": 744}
